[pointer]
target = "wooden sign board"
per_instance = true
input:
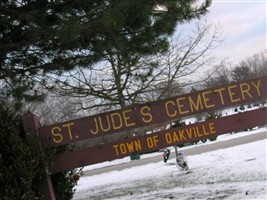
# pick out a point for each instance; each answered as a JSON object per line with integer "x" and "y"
{"x": 161, "y": 139}
{"x": 154, "y": 112}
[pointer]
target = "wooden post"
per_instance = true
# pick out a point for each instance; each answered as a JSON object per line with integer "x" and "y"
{"x": 31, "y": 125}
{"x": 176, "y": 151}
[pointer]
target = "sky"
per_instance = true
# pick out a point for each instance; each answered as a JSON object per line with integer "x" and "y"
{"x": 233, "y": 173}
{"x": 243, "y": 24}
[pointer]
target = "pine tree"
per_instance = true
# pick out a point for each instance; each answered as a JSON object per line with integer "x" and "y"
{"x": 40, "y": 36}
{"x": 22, "y": 165}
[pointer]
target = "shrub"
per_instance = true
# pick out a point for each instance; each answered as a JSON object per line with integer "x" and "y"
{"x": 21, "y": 164}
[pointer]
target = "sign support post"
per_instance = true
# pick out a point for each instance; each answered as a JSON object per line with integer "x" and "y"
{"x": 31, "y": 125}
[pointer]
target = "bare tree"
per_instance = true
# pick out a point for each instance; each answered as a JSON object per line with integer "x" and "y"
{"x": 221, "y": 76}
{"x": 187, "y": 55}
{"x": 56, "y": 109}
{"x": 251, "y": 67}
{"x": 123, "y": 79}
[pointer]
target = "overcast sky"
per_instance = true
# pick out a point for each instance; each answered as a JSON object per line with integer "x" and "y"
{"x": 243, "y": 25}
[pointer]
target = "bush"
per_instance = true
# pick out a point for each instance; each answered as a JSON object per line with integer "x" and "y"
{"x": 213, "y": 115}
{"x": 21, "y": 164}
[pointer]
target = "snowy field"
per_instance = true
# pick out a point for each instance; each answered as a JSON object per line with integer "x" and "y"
{"x": 234, "y": 173}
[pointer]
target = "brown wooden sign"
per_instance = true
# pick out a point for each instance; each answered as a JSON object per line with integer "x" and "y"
{"x": 154, "y": 112}
{"x": 162, "y": 139}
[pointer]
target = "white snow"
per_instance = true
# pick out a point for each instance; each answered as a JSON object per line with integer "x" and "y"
{"x": 233, "y": 173}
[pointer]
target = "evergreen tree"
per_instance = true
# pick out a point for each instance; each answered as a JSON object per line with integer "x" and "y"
{"x": 19, "y": 170}
{"x": 41, "y": 36}
{"x": 22, "y": 165}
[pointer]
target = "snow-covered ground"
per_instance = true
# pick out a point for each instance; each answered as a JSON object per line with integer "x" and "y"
{"x": 234, "y": 173}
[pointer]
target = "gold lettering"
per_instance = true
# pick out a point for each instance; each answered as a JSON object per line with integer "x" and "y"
{"x": 127, "y": 118}
{"x": 116, "y": 149}
{"x": 168, "y": 138}
{"x": 155, "y": 140}
{"x": 212, "y": 128}
{"x": 69, "y": 129}
{"x": 57, "y": 134}
{"x": 189, "y": 132}
{"x": 96, "y": 127}
{"x": 119, "y": 125}
{"x": 168, "y": 110}
{"x": 180, "y": 105}
{"x": 257, "y": 86}
{"x": 152, "y": 141}
{"x": 204, "y": 131}
{"x": 175, "y": 137}
{"x": 138, "y": 145}
{"x": 197, "y": 105}
{"x": 206, "y": 99}
{"x": 149, "y": 142}
{"x": 133, "y": 146}
{"x": 245, "y": 90}
{"x": 196, "y": 131}
{"x": 146, "y": 114}
{"x": 220, "y": 93}
{"x": 102, "y": 126}
{"x": 231, "y": 93}
{"x": 181, "y": 134}
{"x": 123, "y": 148}
{"x": 128, "y": 147}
